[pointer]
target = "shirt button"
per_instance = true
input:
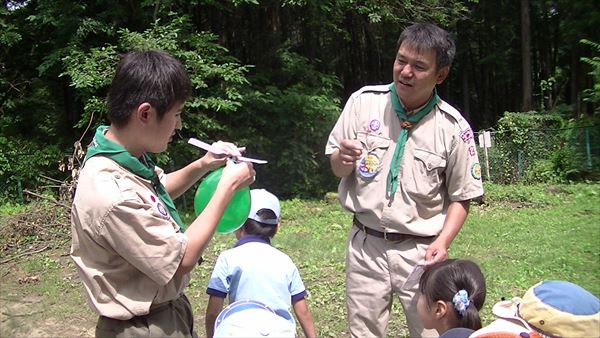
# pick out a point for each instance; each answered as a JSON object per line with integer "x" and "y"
{"x": 117, "y": 176}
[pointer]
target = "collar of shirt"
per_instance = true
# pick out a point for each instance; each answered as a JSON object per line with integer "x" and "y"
{"x": 252, "y": 238}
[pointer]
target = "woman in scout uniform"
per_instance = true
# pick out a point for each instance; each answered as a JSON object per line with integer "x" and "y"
{"x": 131, "y": 249}
{"x": 408, "y": 169}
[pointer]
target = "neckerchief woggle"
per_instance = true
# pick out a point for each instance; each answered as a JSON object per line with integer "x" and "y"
{"x": 406, "y": 123}
{"x": 103, "y": 146}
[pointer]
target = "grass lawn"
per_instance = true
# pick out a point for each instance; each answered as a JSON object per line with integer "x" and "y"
{"x": 519, "y": 236}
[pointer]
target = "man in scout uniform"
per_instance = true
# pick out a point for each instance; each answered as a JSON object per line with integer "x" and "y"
{"x": 408, "y": 169}
{"x": 130, "y": 247}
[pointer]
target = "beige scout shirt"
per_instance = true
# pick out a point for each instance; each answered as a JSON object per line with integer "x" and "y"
{"x": 125, "y": 245}
{"x": 439, "y": 165}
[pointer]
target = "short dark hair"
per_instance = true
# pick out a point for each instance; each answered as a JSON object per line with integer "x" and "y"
{"x": 423, "y": 36}
{"x": 146, "y": 76}
{"x": 444, "y": 279}
{"x": 252, "y": 227}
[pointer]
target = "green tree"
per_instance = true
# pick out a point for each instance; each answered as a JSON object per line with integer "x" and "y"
{"x": 592, "y": 95}
{"x": 52, "y": 96}
{"x": 272, "y": 75}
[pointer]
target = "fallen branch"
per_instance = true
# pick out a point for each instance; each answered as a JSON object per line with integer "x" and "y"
{"x": 20, "y": 300}
{"x": 21, "y": 315}
{"x": 52, "y": 179}
{"x": 48, "y": 198}
{"x": 26, "y": 253}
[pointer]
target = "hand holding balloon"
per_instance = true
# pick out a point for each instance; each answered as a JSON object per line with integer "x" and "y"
{"x": 236, "y": 175}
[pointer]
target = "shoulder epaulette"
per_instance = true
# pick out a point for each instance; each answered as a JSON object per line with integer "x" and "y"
{"x": 375, "y": 89}
{"x": 448, "y": 109}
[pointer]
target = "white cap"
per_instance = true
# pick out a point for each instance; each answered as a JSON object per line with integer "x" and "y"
{"x": 262, "y": 199}
{"x": 248, "y": 318}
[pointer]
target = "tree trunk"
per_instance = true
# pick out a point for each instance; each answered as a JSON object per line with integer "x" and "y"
{"x": 526, "y": 55}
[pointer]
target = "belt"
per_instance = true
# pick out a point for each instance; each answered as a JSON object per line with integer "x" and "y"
{"x": 156, "y": 306}
{"x": 388, "y": 236}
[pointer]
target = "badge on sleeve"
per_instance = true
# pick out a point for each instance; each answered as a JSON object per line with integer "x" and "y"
{"x": 466, "y": 135}
{"x": 476, "y": 171}
{"x": 368, "y": 165}
{"x": 159, "y": 206}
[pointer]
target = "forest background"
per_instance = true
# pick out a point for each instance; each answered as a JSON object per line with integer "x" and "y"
{"x": 274, "y": 76}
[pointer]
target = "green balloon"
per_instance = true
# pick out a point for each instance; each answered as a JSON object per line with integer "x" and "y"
{"x": 237, "y": 210}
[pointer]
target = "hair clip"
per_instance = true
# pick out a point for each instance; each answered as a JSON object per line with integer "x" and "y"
{"x": 461, "y": 302}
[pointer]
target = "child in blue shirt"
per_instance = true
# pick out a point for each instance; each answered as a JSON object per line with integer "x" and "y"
{"x": 254, "y": 270}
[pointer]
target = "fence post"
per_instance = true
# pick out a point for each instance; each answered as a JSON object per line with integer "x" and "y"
{"x": 519, "y": 164}
{"x": 485, "y": 141}
{"x": 20, "y": 191}
{"x": 588, "y": 150}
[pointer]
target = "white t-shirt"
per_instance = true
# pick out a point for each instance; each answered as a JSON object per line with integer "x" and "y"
{"x": 254, "y": 270}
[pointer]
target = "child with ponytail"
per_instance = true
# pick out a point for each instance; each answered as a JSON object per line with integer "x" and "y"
{"x": 451, "y": 294}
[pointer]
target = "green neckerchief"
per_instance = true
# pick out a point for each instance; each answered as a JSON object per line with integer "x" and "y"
{"x": 103, "y": 146}
{"x": 407, "y": 122}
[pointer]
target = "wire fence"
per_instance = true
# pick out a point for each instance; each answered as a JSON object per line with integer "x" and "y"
{"x": 540, "y": 156}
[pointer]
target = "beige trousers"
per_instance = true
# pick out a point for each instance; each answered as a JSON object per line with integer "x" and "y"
{"x": 375, "y": 271}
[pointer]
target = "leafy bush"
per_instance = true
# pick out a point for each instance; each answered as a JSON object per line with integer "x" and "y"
{"x": 592, "y": 95}
{"x": 541, "y": 171}
{"x": 544, "y": 147}
{"x": 21, "y": 163}
{"x": 216, "y": 78}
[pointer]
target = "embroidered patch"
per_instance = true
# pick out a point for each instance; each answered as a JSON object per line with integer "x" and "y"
{"x": 162, "y": 209}
{"x": 476, "y": 171}
{"x": 368, "y": 165}
{"x": 472, "y": 151}
{"x": 466, "y": 135}
{"x": 159, "y": 206}
{"x": 374, "y": 125}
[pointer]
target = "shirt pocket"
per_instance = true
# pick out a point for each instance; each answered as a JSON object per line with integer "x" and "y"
{"x": 425, "y": 175}
{"x": 374, "y": 150}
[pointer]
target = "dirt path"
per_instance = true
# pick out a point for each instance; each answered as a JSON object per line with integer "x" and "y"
{"x": 40, "y": 297}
